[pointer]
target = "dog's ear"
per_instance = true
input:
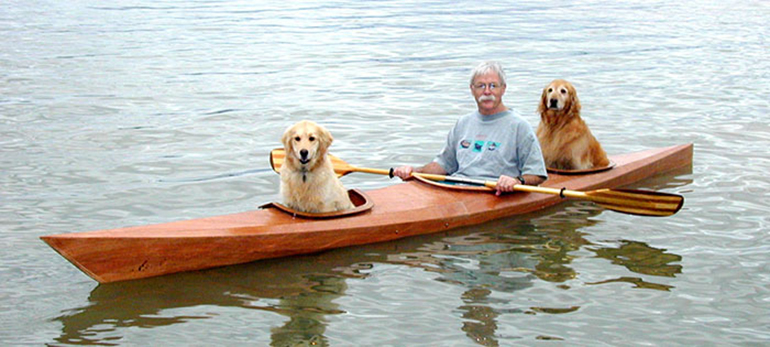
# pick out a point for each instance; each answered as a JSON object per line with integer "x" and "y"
{"x": 574, "y": 102}
{"x": 286, "y": 139}
{"x": 325, "y": 138}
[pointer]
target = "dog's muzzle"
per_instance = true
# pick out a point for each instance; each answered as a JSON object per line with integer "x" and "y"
{"x": 553, "y": 103}
{"x": 303, "y": 157}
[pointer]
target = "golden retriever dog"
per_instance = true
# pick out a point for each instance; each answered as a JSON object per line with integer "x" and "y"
{"x": 564, "y": 137}
{"x": 308, "y": 181}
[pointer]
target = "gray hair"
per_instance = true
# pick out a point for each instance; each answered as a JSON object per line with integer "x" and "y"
{"x": 487, "y": 67}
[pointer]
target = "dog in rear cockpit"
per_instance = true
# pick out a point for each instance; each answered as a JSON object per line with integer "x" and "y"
{"x": 564, "y": 137}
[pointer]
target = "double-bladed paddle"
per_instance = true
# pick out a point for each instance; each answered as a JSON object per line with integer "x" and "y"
{"x": 636, "y": 202}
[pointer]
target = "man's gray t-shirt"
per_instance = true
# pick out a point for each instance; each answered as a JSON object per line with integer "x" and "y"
{"x": 486, "y": 147}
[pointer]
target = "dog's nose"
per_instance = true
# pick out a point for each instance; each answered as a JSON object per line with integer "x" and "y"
{"x": 554, "y": 103}
{"x": 303, "y": 153}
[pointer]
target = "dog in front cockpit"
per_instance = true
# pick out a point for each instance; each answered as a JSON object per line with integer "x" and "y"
{"x": 308, "y": 181}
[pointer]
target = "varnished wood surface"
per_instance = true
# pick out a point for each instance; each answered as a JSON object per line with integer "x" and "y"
{"x": 400, "y": 210}
{"x": 359, "y": 199}
{"x": 446, "y": 185}
{"x": 581, "y": 172}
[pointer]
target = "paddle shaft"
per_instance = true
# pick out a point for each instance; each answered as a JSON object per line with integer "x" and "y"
{"x": 493, "y": 185}
{"x": 371, "y": 171}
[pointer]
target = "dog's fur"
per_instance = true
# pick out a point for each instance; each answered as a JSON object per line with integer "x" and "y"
{"x": 564, "y": 137}
{"x": 308, "y": 181}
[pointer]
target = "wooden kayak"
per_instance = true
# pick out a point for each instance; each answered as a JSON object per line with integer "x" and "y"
{"x": 398, "y": 211}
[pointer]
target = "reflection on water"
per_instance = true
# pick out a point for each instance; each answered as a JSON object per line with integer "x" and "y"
{"x": 306, "y": 311}
{"x": 486, "y": 261}
{"x": 637, "y": 282}
{"x": 641, "y": 258}
{"x": 301, "y": 291}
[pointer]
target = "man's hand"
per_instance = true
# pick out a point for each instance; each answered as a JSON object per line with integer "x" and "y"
{"x": 404, "y": 172}
{"x": 505, "y": 184}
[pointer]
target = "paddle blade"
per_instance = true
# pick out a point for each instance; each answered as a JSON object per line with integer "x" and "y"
{"x": 278, "y": 156}
{"x": 637, "y": 202}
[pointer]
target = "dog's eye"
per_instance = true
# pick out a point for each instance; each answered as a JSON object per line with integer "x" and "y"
{"x": 550, "y": 90}
{"x": 297, "y": 138}
{"x": 564, "y": 91}
{"x": 311, "y": 138}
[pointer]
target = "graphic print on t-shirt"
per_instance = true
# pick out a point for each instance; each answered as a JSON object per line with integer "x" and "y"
{"x": 479, "y": 145}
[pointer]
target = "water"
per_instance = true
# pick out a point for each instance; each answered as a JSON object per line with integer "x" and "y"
{"x": 144, "y": 112}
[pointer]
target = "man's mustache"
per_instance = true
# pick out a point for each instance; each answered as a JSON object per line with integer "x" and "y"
{"x": 486, "y": 98}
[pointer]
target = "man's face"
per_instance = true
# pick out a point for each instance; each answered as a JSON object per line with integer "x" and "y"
{"x": 488, "y": 92}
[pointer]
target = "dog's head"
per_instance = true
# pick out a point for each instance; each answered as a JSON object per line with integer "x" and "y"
{"x": 305, "y": 143}
{"x": 559, "y": 97}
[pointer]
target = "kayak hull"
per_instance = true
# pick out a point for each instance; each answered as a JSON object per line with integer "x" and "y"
{"x": 400, "y": 210}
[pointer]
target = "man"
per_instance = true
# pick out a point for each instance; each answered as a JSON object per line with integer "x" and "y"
{"x": 493, "y": 143}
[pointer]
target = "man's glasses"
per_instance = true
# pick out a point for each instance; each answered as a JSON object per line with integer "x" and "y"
{"x": 482, "y": 86}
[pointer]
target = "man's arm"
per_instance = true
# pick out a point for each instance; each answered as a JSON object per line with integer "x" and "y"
{"x": 533, "y": 180}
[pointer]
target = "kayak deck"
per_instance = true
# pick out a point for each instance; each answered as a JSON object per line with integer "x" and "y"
{"x": 400, "y": 210}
